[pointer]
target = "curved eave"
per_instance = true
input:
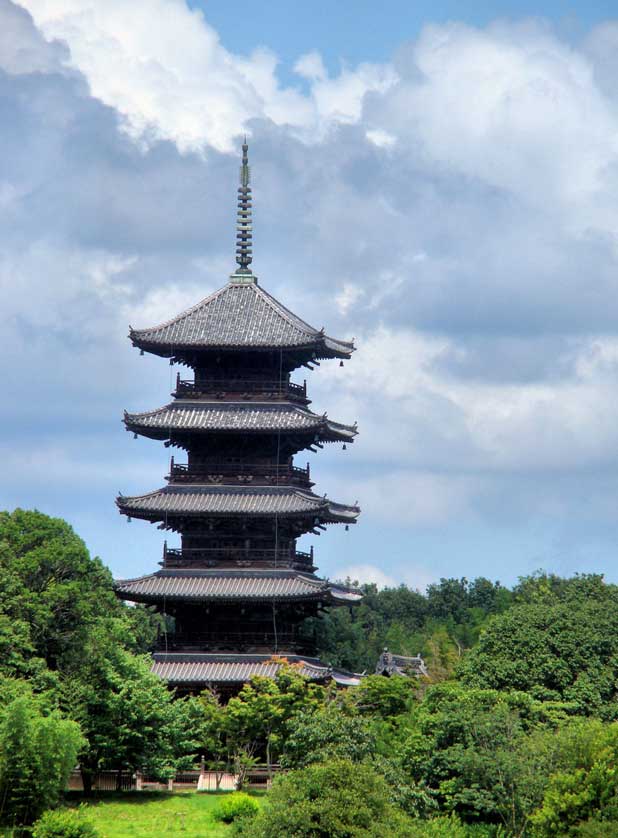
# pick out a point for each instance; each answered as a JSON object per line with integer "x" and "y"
{"x": 159, "y": 506}
{"x": 344, "y": 597}
{"x": 322, "y": 348}
{"x": 323, "y": 428}
{"x": 222, "y": 586}
{"x": 196, "y": 669}
{"x": 153, "y": 599}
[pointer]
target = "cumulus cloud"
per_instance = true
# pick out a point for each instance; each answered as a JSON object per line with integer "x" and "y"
{"x": 455, "y": 211}
{"x": 164, "y": 68}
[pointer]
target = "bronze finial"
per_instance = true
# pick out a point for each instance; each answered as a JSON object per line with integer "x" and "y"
{"x": 244, "y": 228}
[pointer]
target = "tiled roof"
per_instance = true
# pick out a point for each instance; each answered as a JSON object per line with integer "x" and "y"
{"x": 185, "y": 415}
{"x": 235, "y": 500}
{"x": 389, "y": 664}
{"x": 241, "y": 314}
{"x": 231, "y": 585}
{"x": 180, "y": 669}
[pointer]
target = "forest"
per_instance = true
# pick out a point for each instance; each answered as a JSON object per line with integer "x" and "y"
{"x": 514, "y": 732}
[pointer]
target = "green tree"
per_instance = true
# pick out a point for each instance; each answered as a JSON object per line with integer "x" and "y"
{"x": 38, "y": 749}
{"x": 383, "y": 697}
{"x": 320, "y": 734}
{"x": 129, "y": 717}
{"x": 50, "y": 588}
{"x": 258, "y": 719}
{"x": 585, "y": 786}
{"x": 562, "y": 648}
{"x": 339, "y": 799}
{"x": 472, "y": 749}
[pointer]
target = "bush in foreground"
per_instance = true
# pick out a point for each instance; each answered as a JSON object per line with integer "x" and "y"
{"x": 235, "y": 806}
{"x": 340, "y": 799}
{"x": 64, "y": 823}
{"x": 37, "y": 751}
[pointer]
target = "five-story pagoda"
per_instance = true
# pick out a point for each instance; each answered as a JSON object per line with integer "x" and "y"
{"x": 238, "y": 589}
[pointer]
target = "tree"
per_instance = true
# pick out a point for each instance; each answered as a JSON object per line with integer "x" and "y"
{"x": 321, "y": 734}
{"x": 472, "y": 749}
{"x": 452, "y": 614}
{"x": 585, "y": 785}
{"x": 556, "y": 647}
{"x": 340, "y": 799}
{"x": 383, "y": 697}
{"x": 38, "y": 749}
{"x": 258, "y": 718}
{"x": 129, "y": 718}
{"x": 50, "y": 588}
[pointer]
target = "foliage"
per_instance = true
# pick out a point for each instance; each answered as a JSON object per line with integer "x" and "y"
{"x": 482, "y": 754}
{"x": 259, "y": 718}
{"x": 586, "y": 785}
{"x": 325, "y": 733}
{"x": 448, "y": 827}
{"x": 37, "y": 752}
{"x": 340, "y": 799}
{"x": 559, "y": 642}
{"x": 234, "y": 806}
{"x": 441, "y": 625}
{"x": 64, "y": 823}
{"x": 382, "y": 697}
{"x": 50, "y": 589}
{"x": 128, "y": 716}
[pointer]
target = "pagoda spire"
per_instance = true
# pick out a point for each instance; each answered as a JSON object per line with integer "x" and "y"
{"x": 244, "y": 227}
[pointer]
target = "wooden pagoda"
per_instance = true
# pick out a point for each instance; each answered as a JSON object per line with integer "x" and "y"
{"x": 237, "y": 588}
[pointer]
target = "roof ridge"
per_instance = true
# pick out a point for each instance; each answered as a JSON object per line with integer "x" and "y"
{"x": 208, "y": 299}
{"x": 193, "y": 404}
{"x": 287, "y": 314}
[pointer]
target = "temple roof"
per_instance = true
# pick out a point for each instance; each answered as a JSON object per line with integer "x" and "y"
{"x": 241, "y": 315}
{"x": 256, "y": 501}
{"x": 199, "y": 585}
{"x": 180, "y": 669}
{"x": 257, "y": 417}
{"x": 389, "y": 664}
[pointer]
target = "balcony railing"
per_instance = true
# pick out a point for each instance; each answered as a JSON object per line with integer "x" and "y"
{"x": 243, "y": 388}
{"x": 241, "y": 641}
{"x": 241, "y": 557}
{"x": 241, "y": 474}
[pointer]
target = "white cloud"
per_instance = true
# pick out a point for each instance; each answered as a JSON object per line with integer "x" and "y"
{"x": 367, "y": 574}
{"x": 165, "y": 70}
{"x": 512, "y": 106}
{"x": 415, "y": 576}
{"x": 380, "y": 138}
{"x": 459, "y": 221}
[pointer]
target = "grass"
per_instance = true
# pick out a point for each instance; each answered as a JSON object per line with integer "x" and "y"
{"x": 155, "y": 815}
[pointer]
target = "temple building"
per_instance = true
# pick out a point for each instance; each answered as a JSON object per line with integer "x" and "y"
{"x": 237, "y": 591}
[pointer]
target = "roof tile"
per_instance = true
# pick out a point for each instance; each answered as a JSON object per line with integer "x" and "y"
{"x": 239, "y": 315}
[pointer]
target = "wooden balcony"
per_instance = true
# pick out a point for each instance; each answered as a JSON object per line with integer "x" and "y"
{"x": 252, "y": 557}
{"x": 249, "y": 389}
{"x": 240, "y": 474}
{"x": 239, "y": 642}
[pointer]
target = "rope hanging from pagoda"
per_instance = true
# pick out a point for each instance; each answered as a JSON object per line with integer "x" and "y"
{"x": 244, "y": 228}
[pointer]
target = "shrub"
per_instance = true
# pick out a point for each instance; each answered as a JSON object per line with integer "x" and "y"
{"x": 37, "y": 752}
{"x": 340, "y": 799}
{"x": 234, "y": 806}
{"x": 64, "y": 823}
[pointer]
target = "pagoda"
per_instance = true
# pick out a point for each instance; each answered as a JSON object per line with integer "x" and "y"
{"x": 236, "y": 593}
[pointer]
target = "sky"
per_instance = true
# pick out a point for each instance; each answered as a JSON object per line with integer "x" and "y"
{"x": 437, "y": 180}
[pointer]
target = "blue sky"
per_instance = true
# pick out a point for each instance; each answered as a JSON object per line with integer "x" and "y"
{"x": 367, "y": 31}
{"x": 437, "y": 180}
